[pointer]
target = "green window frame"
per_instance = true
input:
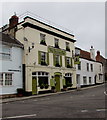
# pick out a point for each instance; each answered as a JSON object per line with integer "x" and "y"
{"x": 56, "y": 42}
{"x": 57, "y": 60}
{"x": 67, "y": 46}
{"x": 43, "y": 58}
{"x": 68, "y": 62}
{"x": 42, "y": 39}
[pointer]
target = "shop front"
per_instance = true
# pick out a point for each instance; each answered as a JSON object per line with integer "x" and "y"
{"x": 40, "y": 82}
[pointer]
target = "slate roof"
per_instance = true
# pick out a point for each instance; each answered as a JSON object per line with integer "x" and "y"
{"x": 6, "y": 39}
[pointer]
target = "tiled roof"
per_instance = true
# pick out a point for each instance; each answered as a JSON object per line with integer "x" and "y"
{"x": 5, "y": 38}
{"x": 85, "y": 55}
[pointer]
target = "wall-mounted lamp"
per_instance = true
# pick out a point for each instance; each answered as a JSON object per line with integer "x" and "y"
{"x": 52, "y": 76}
{"x": 31, "y": 47}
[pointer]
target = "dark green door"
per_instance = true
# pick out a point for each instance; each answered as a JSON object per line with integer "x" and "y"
{"x": 57, "y": 80}
{"x": 34, "y": 85}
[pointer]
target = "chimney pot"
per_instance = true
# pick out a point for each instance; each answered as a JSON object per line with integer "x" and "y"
{"x": 13, "y": 21}
{"x": 98, "y": 53}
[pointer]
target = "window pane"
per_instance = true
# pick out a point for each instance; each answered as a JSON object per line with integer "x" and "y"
{"x": 43, "y": 56}
{"x": 42, "y": 36}
{"x": 1, "y": 78}
{"x": 84, "y": 80}
{"x": 56, "y": 42}
{"x": 8, "y": 79}
{"x": 57, "y": 59}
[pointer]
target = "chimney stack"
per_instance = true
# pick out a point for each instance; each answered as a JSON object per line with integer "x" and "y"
{"x": 98, "y": 56}
{"x": 13, "y": 21}
{"x": 92, "y": 53}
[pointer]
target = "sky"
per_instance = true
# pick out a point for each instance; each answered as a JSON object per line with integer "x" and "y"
{"x": 85, "y": 19}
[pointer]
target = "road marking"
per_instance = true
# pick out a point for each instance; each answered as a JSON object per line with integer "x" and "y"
{"x": 100, "y": 110}
{"x": 84, "y": 110}
{"x": 22, "y": 116}
{"x": 105, "y": 92}
{"x": 93, "y": 95}
{"x": 45, "y": 99}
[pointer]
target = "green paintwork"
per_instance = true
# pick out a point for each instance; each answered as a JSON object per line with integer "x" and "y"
{"x": 63, "y": 81}
{"x": 65, "y": 61}
{"x": 48, "y": 58}
{"x": 60, "y": 60}
{"x": 34, "y": 85}
{"x": 39, "y": 57}
{"x": 56, "y": 51}
{"x": 53, "y": 60}
{"x": 52, "y": 82}
{"x": 57, "y": 79}
{"x": 71, "y": 63}
{"x": 58, "y": 73}
{"x": 76, "y": 60}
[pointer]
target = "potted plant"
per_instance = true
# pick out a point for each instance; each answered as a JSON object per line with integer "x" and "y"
{"x": 69, "y": 84}
{"x": 67, "y": 49}
{"x": 20, "y": 92}
{"x": 68, "y": 66}
{"x": 64, "y": 87}
{"x": 43, "y": 63}
{"x": 41, "y": 86}
{"x": 46, "y": 86}
{"x": 43, "y": 42}
{"x": 57, "y": 65}
{"x": 53, "y": 89}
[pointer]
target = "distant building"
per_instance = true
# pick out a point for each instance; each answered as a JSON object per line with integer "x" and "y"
{"x": 88, "y": 71}
{"x": 48, "y": 60}
{"x": 103, "y": 60}
{"x": 11, "y": 52}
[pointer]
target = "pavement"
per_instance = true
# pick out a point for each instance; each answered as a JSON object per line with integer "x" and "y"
{"x": 6, "y": 100}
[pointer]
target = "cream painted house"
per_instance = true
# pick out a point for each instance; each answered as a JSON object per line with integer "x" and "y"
{"x": 48, "y": 59}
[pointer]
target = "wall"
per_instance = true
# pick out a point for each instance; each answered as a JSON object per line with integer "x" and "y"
{"x": 31, "y": 58}
{"x": 14, "y": 64}
{"x": 84, "y": 72}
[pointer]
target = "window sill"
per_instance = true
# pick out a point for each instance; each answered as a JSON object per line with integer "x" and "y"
{"x": 43, "y": 44}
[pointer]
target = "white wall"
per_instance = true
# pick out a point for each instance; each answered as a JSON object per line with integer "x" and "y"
{"x": 84, "y": 72}
{"x": 99, "y": 70}
{"x": 14, "y": 64}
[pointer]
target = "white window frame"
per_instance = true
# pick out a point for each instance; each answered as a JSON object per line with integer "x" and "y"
{"x": 9, "y": 80}
{"x": 85, "y": 79}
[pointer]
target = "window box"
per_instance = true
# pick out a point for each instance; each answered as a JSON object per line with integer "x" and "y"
{"x": 43, "y": 42}
{"x": 57, "y": 65}
{"x": 69, "y": 66}
{"x": 68, "y": 49}
{"x": 56, "y": 46}
{"x": 43, "y": 63}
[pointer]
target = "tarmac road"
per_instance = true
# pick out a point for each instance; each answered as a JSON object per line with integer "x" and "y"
{"x": 87, "y": 103}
